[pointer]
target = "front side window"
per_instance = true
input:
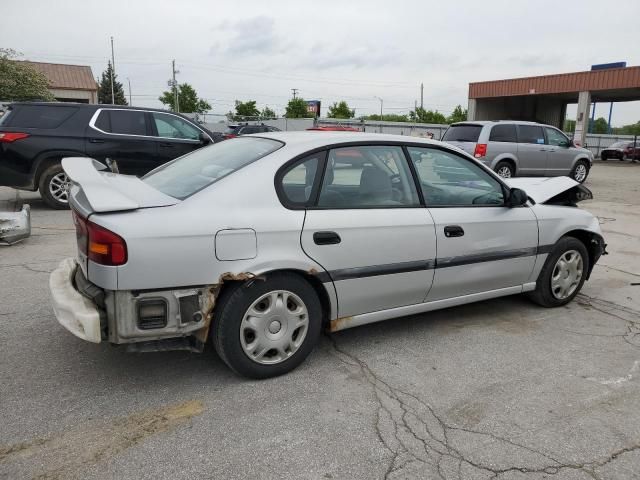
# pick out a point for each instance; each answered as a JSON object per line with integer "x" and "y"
{"x": 530, "y": 134}
{"x": 503, "y": 133}
{"x": 554, "y": 137}
{"x": 299, "y": 179}
{"x": 199, "y": 169}
{"x": 448, "y": 180}
{"x": 367, "y": 177}
{"x": 128, "y": 122}
{"x": 170, "y": 126}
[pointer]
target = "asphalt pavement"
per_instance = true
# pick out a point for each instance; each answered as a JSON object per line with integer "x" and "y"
{"x": 499, "y": 389}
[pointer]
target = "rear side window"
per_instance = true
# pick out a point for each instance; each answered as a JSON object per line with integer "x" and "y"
{"x": 530, "y": 134}
{"x": 4, "y": 115}
{"x": 462, "y": 133}
{"x": 128, "y": 122}
{"x": 193, "y": 172}
{"x": 103, "y": 122}
{"x": 40, "y": 116}
{"x": 300, "y": 178}
{"x": 503, "y": 133}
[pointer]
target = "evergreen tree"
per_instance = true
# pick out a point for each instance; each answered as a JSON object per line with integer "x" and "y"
{"x": 104, "y": 89}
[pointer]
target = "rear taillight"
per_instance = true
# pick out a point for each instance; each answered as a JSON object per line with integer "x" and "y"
{"x": 481, "y": 150}
{"x": 229, "y": 135}
{"x": 100, "y": 245}
{"x": 8, "y": 137}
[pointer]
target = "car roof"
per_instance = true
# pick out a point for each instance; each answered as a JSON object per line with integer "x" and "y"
{"x": 318, "y": 139}
{"x": 483, "y": 123}
{"x": 94, "y": 106}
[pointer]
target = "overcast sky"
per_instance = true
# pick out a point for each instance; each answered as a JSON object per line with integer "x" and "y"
{"x": 329, "y": 50}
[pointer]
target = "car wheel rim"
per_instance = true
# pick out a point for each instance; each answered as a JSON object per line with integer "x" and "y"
{"x": 59, "y": 187}
{"x": 567, "y": 274}
{"x": 504, "y": 172}
{"x": 581, "y": 173}
{"x": 274, "y": 327}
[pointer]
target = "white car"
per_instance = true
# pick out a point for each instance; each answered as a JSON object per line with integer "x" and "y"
{"x": 260, "y": 242}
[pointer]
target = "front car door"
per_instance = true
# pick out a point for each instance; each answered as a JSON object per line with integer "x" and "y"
{"x": 532, "y": 151}
{"x": 123, "y": 135}
{"x": 366, "y": 227}
{"x": 174, "y": 136}
{"x": 483, "y": 245}
{"x": 560, "y": 155}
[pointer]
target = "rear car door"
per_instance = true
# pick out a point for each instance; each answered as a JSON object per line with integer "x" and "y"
{"x": 483, "y": 245}
{"x": 174, "y": 136}
{"x": 560, "y": 155}
{"x": 369, "y": 231}
{"x": 123, "y": 135}
{"x": 532, "y": 151}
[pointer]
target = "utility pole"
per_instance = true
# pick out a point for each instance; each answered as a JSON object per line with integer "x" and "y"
{"x": 176, "y": 106}
{"x": 380, "y": 112}
{"x": 422, "y": 95}
{"x": 129, "y": 80}
{"x": 295, "y": 92}
{"x": 113, "y": 74}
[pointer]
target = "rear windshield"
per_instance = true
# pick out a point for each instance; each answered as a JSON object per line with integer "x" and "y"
{"x": 619, "y": 145}
{"x": 40, "y": 116}
{"x": 193, "y": 172}
{"x": 462, "y": 133}
{"x": 232, "y": 129}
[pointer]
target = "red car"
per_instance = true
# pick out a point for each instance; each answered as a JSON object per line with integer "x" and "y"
{"x": 334, "y": 128}
{"x": 621, "y": 151}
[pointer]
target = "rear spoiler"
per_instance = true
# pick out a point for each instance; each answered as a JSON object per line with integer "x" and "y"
{"x": 109, "y": 192}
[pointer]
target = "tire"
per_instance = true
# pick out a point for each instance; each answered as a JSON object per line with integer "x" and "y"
{"x": 603, "y": 158}
{"x": 53, "y": 186}
{"x": 505, "y": 169}
{"x": 623, "y": 157}
{"x": 545, "y": 286}
{"x": 246, "y": 343}
{"x": 580, "y": 171}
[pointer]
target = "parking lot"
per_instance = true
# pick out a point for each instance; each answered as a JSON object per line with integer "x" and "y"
{"x": 499, "y": 389}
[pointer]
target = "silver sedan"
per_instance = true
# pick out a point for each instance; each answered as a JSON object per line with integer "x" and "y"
{"x": 261, "y": 242}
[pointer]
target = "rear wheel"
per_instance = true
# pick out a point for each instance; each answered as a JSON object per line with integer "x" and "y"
{"x": 54, "y": 187}
{"x": 267, "y": 327}
{"x": 563, "y": 273}
{"x": 580, "y": 171}
{"x": 505, "y": 169}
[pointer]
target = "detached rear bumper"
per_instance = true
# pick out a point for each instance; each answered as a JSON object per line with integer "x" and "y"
{"x": 74, "y": 312}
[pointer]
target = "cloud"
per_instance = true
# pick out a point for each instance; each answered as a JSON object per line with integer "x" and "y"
{"x": 253, "y": 36}
{"x": 325, "y": 57}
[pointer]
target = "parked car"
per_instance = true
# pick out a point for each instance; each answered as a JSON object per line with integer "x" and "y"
{"x": 334, "y": 128}
{"x": 621, "y": 151}
{"x": 234, "y": 131}
{"x": 514, "y": 148}
{"x": 34, "y": 137}
{"x": 261, "y": 242}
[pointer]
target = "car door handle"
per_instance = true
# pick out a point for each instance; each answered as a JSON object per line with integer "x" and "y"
{"x": 453, "y": 231}
{"x": 96, "y": 140}
{"x": 326, "y": 238}
{"x": 166, "y": 144}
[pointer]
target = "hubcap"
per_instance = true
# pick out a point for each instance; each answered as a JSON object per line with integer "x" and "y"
{"x": 59, "y": 187}
{"x": 274, "y": 327}
{"x": 566, "y": 275}
{"x": 504, "y": 172}
{"x": 581, "y": 173}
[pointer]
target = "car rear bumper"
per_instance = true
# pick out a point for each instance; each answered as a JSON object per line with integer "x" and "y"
{"x": 74, "y": 311}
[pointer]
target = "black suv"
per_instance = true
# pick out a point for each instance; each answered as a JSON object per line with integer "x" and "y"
{"x": 34, "y": 137}
{"x": 246, "y": 129}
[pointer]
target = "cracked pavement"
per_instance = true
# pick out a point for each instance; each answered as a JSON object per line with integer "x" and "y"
{"x": 501, "y": 389}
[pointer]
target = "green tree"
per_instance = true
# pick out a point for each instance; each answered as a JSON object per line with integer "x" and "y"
{"x": 267, "y": 113}
{"x": 340, "y": 110}
{"x": 388, "y": 117}
{"x": 297, "y": 108}
{"x": 246, "y": 109}
{"x": 599, "y": 126}
{"x": 631, "y": 129}
{"x": 569, "y": 125}
{"x": 104, "y": 88}
{"x": 20, "y": 81}
{"x": 458, "y": 115}
{"x": 188, "y": 101}
{"x": 426, "y": 116}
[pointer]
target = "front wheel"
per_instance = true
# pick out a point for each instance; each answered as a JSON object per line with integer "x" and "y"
{"x": 563, "y": 273}
{"x": 266, "y": 328}
{"x": 54, "y": 187}
{"x": 580, "y": 171}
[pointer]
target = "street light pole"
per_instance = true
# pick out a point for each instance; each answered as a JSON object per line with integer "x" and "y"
{"x": 129, "y": 80}
{"x": 380, "y": 112}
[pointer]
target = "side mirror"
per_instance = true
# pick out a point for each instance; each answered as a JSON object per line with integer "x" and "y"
{"x": 517, "y": 198}
{"x": 204, "y": 140}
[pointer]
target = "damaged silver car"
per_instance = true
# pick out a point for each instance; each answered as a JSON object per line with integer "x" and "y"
{"x": 261, "y": 242}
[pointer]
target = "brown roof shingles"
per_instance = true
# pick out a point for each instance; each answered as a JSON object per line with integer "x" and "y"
{"x": 66, "y": 77}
